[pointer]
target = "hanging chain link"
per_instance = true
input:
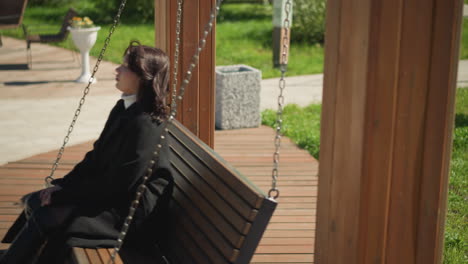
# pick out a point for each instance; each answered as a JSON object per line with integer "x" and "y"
{"x": 50, "y": 178}
{"x": 176, "y": 52}
{"x": 188, "y": 74}
{"x": 273, "y": 193}
{"x": 195, "y": 58}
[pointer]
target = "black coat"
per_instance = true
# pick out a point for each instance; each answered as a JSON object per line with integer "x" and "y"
{"x": 102, "y": 186}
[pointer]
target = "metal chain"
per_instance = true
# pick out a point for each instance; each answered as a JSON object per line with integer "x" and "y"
{"x": 195, "y": 57}
{"x": 273, "y": 193}
{"x": 50, "y": 178}
{"x": 176, "y": 52}
{"x": 142, "y": 187}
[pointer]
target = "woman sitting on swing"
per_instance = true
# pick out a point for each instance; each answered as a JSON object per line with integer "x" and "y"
{"x": 88, "y": 206}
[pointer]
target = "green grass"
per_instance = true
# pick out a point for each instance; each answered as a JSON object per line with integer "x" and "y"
{"x": 302, "y": 126}
{"x": 243, "y": 36}
{"x": 121, "y": 37}
{"x": 456, "y": 227}
{"x": 464, "y": 40}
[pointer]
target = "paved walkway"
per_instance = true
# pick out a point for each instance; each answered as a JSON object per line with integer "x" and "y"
{"x": 36, "y": 106}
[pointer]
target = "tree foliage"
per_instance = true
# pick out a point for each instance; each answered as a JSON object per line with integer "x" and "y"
{"x": 308, "y": 21}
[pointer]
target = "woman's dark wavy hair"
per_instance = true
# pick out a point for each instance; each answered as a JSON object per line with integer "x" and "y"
{"x": 152, "y": 66}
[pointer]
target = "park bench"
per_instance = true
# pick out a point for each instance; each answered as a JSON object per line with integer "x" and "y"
{"x": 11, "y": 14}
{"x": 218, "y": 215}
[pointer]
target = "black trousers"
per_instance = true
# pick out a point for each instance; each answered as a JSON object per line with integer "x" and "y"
{"x": 37, "y": 234}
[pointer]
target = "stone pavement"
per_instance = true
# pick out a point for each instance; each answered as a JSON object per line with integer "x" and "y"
{"x": 37, "y": 105}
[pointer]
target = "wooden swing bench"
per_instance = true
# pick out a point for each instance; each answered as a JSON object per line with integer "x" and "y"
{"x": 219, "y": 215}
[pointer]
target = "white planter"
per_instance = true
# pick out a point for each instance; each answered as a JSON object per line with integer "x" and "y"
{"x": 84, "y": 39}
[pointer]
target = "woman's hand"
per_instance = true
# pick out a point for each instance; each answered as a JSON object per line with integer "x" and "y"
{"x": 46, "y": 194}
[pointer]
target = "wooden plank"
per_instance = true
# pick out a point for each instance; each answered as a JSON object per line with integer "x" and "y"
{"x": 104, "y": 255}
{"x": 215, "y": 164}
{"x": 438, "y": 128}
{"x": 205, "y": 245}
{"x": 118, "y": 260}
{"x": 10, "y": 211}
{"x": 293, "y": 219}
{"x": 267, "y": 241}
{"x": 10, "y": 198}
{"x": 217, "y": 242}
{"x": 161, "y": 20}
{"x": 413, "y": 75}
{"x": 287, "y": 249}
{"x": 7, "y": 219}
{"x": 190, "y": 35}
{"x": 188, "y": 246}
{"x": 294, "y": 212}
{"x": 34, "y": 166}
{"x": 18, "y": 190}
{"x": 6, "y": 223}
{"x": 93, "y": 256}
{"x": 387, "y": 32}
{"x": 204, "y": 197}
{"x": 180, "y": 253}
{"x": 203, "y": 222}
{"x": 289, "y": 233}
{"x": 285, "y": 258}
{"x": 79, "y": 256}
{"x": 210, "y": 184}
{"x": 291, "y": 226}
{"x": 206, "y": 73}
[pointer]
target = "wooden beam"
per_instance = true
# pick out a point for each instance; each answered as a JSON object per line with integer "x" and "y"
{"x": 387, "y": 122}
{"x": 162, "y": 16}
{"x": 197, "y": 109}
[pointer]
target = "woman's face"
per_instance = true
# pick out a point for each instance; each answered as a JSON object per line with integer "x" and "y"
{"x": 126, "y": 80}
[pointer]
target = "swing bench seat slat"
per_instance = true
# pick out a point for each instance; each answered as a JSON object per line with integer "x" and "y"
{"x": 217, "y": 215}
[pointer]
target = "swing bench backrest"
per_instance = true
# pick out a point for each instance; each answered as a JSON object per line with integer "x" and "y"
{"x": 217, "y": 215}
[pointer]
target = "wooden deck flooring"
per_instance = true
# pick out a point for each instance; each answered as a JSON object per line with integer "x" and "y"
{"x": 291, "y": 232}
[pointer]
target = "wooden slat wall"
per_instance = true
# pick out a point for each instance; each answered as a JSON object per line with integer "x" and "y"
{"x": 387, "y": 122}
{"x": 197, "y": 109}
{"x": 290, "y": 235}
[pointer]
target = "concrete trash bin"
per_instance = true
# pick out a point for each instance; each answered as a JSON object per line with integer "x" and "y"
{"x": 237, "y": 97}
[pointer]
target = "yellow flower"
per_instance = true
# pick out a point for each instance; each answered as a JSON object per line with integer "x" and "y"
{"x": 78, "y": 22}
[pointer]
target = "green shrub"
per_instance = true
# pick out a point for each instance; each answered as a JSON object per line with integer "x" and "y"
{"x": 308, "y": 21}
{"x": 136, "y": 11}
{"x": 49, "y": 2}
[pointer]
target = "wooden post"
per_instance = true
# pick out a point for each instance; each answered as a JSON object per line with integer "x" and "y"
{"x": 387, "y": 121}
{"x": 197, "y": 109}
{"x": 279, "y": 30}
